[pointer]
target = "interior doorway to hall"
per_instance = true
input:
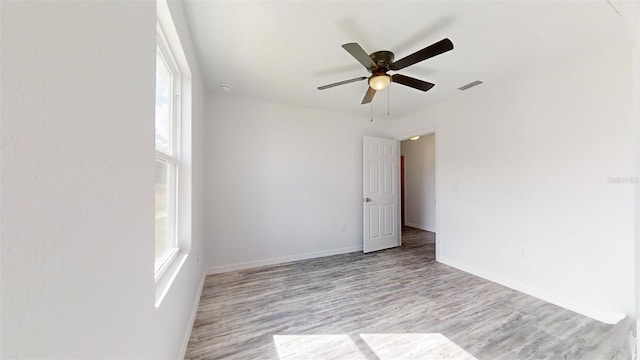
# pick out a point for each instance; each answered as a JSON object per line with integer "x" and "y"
{"x": 418, "y": 186}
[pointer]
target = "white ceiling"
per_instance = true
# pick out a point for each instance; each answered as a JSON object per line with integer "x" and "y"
{"x": 281, "y": 51}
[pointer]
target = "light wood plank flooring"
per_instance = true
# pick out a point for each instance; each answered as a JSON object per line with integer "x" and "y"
{"x": 392, "y": 304}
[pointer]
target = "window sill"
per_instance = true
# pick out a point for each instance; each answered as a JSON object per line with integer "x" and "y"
{"x": 163, "y": 283}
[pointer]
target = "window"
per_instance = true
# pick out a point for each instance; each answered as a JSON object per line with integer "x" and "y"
{"x": 173, "y": 158}
{"x": 167, "y": 155}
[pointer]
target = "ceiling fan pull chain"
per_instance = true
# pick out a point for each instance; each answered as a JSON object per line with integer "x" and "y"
{"x": 371, "y": 103}
{"x": 388, "y": 96}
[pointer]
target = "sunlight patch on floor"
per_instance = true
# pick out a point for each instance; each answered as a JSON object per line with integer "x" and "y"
{"x": 427, "y": 346}
{"x": 294, "y": 347}
{"x": 433, "y": 346}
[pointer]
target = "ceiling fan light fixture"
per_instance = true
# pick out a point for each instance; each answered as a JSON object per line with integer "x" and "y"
{"x": 379, "y": 82}
{"x": 380, "y": 62}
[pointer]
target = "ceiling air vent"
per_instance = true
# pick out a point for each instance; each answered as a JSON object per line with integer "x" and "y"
{"x": 470, "y": 85}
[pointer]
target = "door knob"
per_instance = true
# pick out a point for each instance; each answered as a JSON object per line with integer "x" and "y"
{"x": 367, "y": 200}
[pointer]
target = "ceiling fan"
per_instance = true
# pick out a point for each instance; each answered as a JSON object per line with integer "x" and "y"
{"x": 381, "y": 62}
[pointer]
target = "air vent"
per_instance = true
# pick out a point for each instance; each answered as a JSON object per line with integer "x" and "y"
{"x": 470, "y": 85}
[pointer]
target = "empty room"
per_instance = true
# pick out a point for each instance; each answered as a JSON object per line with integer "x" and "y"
{"x": 382, "y": 180}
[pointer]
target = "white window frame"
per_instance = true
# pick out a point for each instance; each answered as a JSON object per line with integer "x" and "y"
{"x": 173, "y": 159}
{"x": 167, "y": 35}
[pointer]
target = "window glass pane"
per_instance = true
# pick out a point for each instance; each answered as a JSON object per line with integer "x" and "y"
{"x": 164, "y": 111}
{"x": 166, "y": 236}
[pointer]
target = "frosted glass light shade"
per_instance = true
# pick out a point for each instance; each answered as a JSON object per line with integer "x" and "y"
{"x": 379, "y": 82}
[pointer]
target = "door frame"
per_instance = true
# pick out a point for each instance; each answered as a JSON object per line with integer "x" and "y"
{"x": 433, "y": 130}
{"x": 401, "y": 193}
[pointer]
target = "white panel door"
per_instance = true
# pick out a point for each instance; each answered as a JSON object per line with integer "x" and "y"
{"x": 381, "y": 196}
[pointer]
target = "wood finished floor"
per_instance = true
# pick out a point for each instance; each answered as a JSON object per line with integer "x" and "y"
{"x": 393, "y": 304}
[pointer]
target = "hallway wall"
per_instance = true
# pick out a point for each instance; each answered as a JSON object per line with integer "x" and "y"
{"x": 420, "y": 182}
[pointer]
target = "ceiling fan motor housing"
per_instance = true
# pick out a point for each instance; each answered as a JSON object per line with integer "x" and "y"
{"x": 383, "y": 59}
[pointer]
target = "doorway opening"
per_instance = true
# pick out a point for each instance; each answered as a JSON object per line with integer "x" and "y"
{"x": 418, "y": 188}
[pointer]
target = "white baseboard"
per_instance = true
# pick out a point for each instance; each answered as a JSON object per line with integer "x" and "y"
{"x": 192, "y": 318}
{"x": 279, "y": 260}
{"x": 602, "y": 316}
{"x": 418, "y": 226}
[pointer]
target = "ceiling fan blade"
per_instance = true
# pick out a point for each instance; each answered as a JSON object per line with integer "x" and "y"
{"x": 412, "y": 82}
{"x": 341, "y": 83}
{"x": 357, "y": 52}
{"x": 432, "y": 50}
{"x": 368, "y": 96}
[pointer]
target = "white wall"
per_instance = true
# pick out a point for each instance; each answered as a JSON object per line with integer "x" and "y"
{"x": 523, "y": 179}
{"x": 635, "y": 15}
{"x": 281, "y": 180}
{"x": 420, "y": 182}
{"x": 77, "y": 185}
